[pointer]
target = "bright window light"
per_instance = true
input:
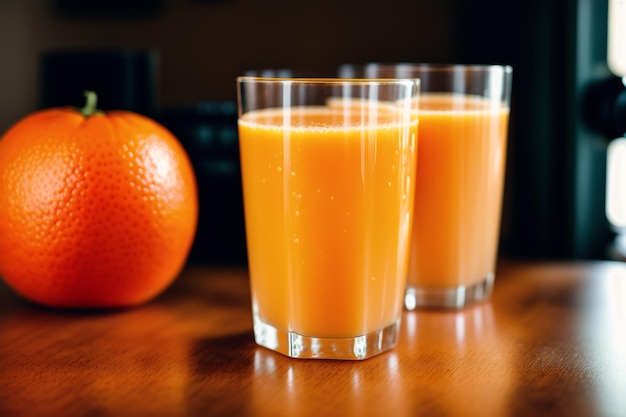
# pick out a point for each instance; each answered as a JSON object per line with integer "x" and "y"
{"x": 616, "y": 184}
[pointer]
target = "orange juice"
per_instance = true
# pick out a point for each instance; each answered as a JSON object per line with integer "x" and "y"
{"x": 328, "y": 210}
{"x": 460, "y": 171}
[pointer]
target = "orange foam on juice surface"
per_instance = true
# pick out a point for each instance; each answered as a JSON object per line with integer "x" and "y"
{"x": 460, "y": 172}
{"x": 328, "y": 215}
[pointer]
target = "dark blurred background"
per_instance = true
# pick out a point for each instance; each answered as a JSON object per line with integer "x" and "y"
{"x": 177, "y": 60}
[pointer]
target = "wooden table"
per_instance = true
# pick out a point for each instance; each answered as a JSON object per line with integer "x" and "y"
{"x": 551, "y": 342}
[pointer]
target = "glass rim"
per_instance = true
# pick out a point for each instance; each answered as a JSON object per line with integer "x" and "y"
{"x": 440, "y": 67}
{"x": 328, "y": 80}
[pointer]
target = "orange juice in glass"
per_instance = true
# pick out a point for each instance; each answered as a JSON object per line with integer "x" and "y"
{"x": 463, "y": 113}
{"x": 328, "y": 199}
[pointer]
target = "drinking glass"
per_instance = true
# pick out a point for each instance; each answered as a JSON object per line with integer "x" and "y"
{"x": 328, "y": 170}
{"x": 461, "y": 158}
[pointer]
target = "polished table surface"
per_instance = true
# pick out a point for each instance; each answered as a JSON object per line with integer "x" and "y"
{"x": 550, "y": 342}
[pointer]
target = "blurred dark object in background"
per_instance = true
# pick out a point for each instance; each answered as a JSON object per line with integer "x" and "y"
{"x": 123, "y": 79}
{"x": 208, "y": 130}
{"x": 604, "y": 106}
{"x": 107, "y": 8}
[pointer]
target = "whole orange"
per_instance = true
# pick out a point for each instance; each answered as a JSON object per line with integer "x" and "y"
{"x": 97, "y": 210}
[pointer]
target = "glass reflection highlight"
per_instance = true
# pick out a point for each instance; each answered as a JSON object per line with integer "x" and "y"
{"x": 283, "y": 386}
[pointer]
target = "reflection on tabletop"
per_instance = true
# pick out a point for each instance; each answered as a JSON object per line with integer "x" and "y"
{"x": 550, "y": 342}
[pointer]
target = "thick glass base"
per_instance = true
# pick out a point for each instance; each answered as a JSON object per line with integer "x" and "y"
{"x": 448, "y": 298}
{"x": 351, "y": 348}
